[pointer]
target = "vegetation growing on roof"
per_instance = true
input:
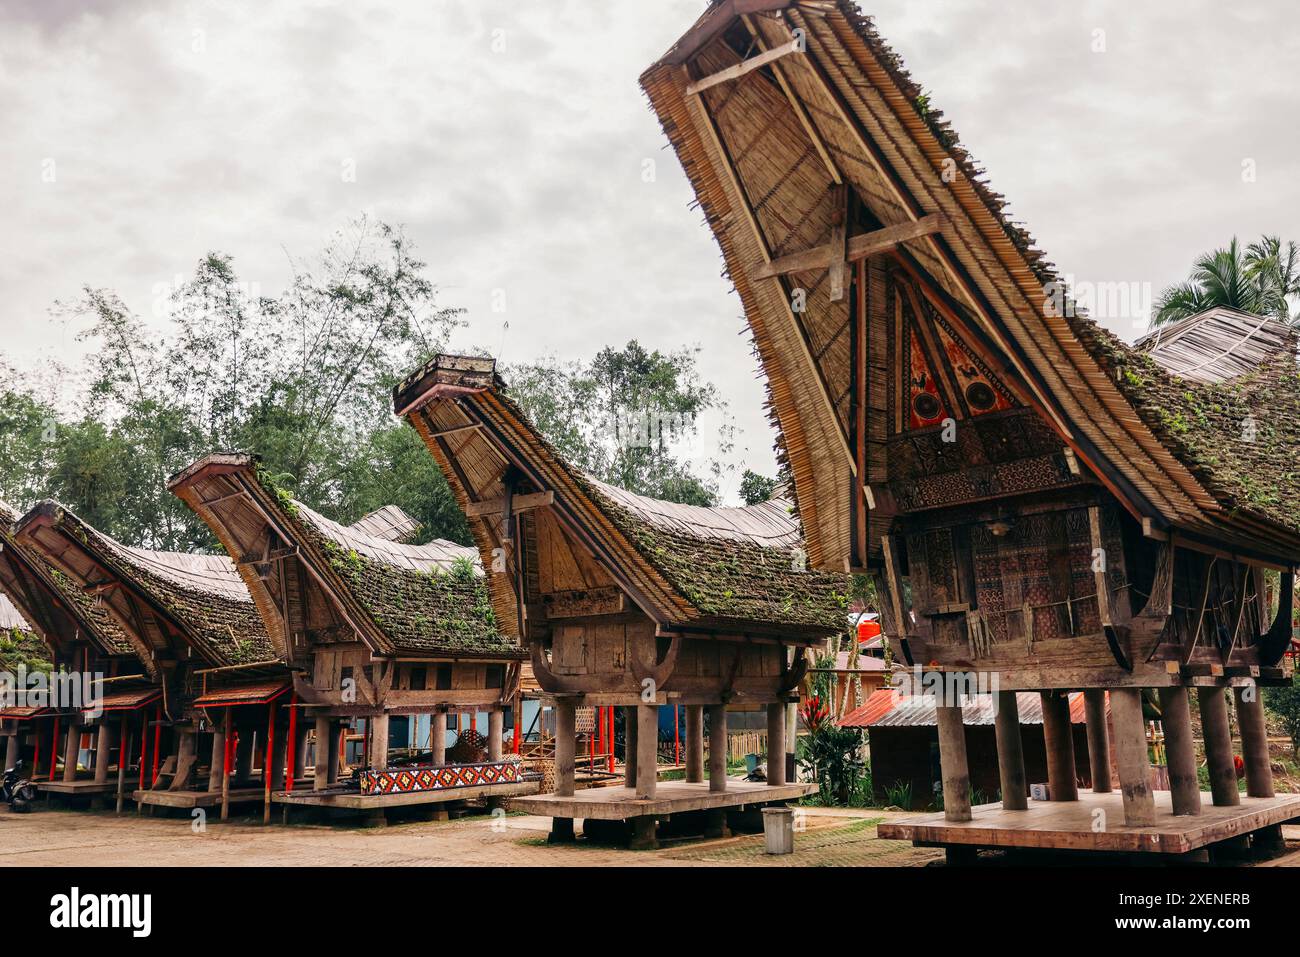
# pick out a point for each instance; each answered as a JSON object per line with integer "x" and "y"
{"x": 20, "y": 648}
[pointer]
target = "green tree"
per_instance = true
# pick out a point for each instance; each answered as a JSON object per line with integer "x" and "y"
{"x": 755, "y": 488}
{"x": 1284, "y": 701}
{"x": 1263, "y": 279}
{"x": 626, "y": 417}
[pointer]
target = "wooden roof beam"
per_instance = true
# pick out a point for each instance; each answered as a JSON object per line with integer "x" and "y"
{"x": 745, "y": 67}
{"x": 859, "y": 247}
{"x": 518, "y": 503}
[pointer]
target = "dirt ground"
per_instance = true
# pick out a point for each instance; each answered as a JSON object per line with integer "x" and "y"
{"x": 828, "y": 838}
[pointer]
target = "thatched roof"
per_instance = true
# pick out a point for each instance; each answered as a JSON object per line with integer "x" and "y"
{"x": 684, "y": 565}
{"x": 764, "y": 153}
{"x": 346, "y": 583}
{"x": 1218, "y": 344}
{"x": 159, "y": 598}
{"x": 59, "y": 611}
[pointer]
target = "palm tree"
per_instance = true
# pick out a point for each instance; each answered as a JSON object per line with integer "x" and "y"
{"x": 1261, "y": 280}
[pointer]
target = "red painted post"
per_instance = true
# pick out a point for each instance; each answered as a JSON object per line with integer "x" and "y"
{"x": 144, "y": 744}
{"x": 36, "y": 757}
{"x": 609, "y": 714}
{"x": 291, "y": 755}
{"x": 230, "y": 747}
{"x": 157, "y": 743}
{"x": 270, "y": 743}
{"x": 519, "y": 722}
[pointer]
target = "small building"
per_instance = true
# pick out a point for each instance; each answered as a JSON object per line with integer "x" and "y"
{"x": 903, "y": 739}
{"x": 627, "y": 601}
{"x": 112, "y": 681}
{"x": 217, "y": 686}
{"x": 370, "y": 628}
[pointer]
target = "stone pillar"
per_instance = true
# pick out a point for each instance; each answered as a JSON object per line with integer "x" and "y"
{"x": 1254, "y": 741}
{"x": 216, "y": 767}
{"x": 718, "y": 747}
{"x": 1059, "y": 740}
{"x": 439, "y": 736}
{"x": 103, "y": 750}
{"x": 566, "y": 733}
{"x": 776, "y": 745}
{"x": 629, "y": 747}
{"x": 1131, "y": 752}
{"x": 496, "y": 734}
{"x": 695, "y": 742}
{"x": 324, "y": 738}
{"x": 1011, "y": 753}
{"x": 378, "y": 742}
{"x": 11, "y": 751}
{"x": 1180, "y": 753}
{"x": 647, "y": 751}
{"x": 70, "y": 750}
{"x": 1094, "y": 705}
{"x": 1218, "y": 746}
{"x": 952, "y": 761}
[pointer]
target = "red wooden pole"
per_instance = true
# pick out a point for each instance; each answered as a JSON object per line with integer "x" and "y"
{"x": 291, "y": 754}
{"x": 230, "y": 747}
{"x": 591, "y": 745}
{"x": 157, "y": 743}
{"x": 270, "y": 744}
{"x": 121, "y": 745}
{"x": 54, "y": 748}
{"x": 144, "y": 744}
{"x": 519, "y": 722}
{"x": 609, "y": 716}
{"x": 36, "y": 757}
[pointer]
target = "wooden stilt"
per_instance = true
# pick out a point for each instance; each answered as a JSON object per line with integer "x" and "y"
{"x": 1218, "y": 746}
{"x": 1131, "y": 753}
{"x": 103, "y": 748}
{"x": 334, "y": 755}
{"x": 718, "y": 748}
{"x": 70, "y": 750}
{"x": 1094, "y": 712}
{"x": 566, "y": 720}
{"x": 1059, "y": 739}
{"x": 378, "y": 742}
{"x": 644, "y": 834}
{"x": 439, "y": 735}
{"x": 1011, "y": 754}
{"x": 647, "y": 751}
{"x": 776, "y": 744}
{"x": 952, "y": 761}
{"x": 1180, "y": 753}
{"x": 629, "y": 747}
{"x": 217, "y": 766}
{"x": 695, "y": 742}
{"x": 1254, "y": 741}
{"x": 496, "y": 734}
{"x": 123, "y": 751}
{"x": 11, "y": 750}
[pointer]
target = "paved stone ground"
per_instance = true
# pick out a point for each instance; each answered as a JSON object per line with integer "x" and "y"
{"x": 89, "y": 839}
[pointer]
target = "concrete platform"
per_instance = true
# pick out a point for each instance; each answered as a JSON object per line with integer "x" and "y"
{"x": 1069, "y": 825}
{"x": 671, "y": 797}
{"x": 356, "y": 801}
{"x": 193, "y": 799}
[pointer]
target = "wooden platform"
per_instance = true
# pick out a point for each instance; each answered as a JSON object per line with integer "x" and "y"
{"x": 354, "y": 800}
{"x": 1068, "y": 825}
{"x": 671, "y": 797}
{"x": 192, "y": 799}
{"x": 76, "y": 788}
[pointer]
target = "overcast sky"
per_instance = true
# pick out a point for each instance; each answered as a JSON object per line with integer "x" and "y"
{"x": 510, "y": 138}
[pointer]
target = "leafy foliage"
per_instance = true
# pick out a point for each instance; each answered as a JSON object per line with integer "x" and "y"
{"x": 755, "y": 488}
{"x": 625, "y": 416}
{"x": 1263, "y": 279}
{"x": 1284, "y": 702}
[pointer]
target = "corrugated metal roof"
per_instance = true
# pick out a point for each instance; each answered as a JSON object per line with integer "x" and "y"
{"x": 768, "y": 524}
{"x": 1217, "y": 344}
{"x": 9, "y": 616}
{"x": 390, "y": 523}
{"x": 890, "y": 708}
{"x": 241, "y": 694}
{"x": 437, "y": 556}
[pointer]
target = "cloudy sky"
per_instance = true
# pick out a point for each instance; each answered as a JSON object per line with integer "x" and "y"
{"x": 510, "y": 138}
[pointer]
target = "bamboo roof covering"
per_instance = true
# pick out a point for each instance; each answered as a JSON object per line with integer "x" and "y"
{"x": 344, "y": 583}
{"x": 683, "y": 565}
{"x": 158, "y": 598}
{"x": 765, "y": 146}
{"x": 59, "y": 611}
{"x": 389, "y": 523}
{"x": 1218, "y": 344}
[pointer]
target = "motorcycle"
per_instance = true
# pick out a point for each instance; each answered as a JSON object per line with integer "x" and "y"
{"x": 16, "y": 791}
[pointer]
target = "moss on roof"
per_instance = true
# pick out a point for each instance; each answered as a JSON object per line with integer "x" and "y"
{"x": 437, "y": 612}
{"x": 19, "y": 647}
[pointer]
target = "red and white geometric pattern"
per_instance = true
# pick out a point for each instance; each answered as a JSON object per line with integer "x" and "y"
{"x": 406, "y": 780}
